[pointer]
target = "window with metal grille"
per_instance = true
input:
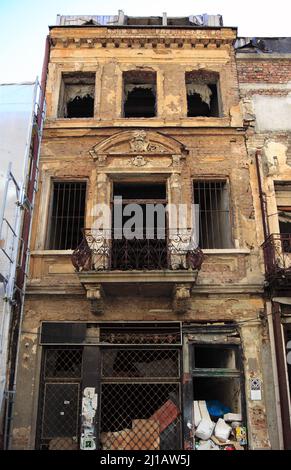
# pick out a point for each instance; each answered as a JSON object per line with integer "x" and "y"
{"x": 214, "y": 217}
{"x": 141, "y": 399}
{"x": 67, "y": 215}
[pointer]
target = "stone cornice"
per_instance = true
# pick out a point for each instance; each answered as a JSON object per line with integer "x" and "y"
{"x": 61, "y": 132}
{"x": 142, "y": 38}
{"x": 203, "y": 290}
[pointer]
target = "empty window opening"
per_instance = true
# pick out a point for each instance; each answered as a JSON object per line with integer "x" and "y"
{"x": 67, "y": 215}
{"x": 77, "y": 95}
{"x": 217, "y": 390}
{"x": 139, "y": 94}
{"x": 215, "y": 357}
{"x": 225, "y": 390}
{"x": 214, "y": 217}
{"x": 142, "y": 194}
{"x": 202, "y": 94}
{"x": 140, "y": 191}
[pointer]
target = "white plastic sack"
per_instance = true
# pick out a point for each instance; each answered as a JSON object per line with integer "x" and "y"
{"x": 197, "y": 414}
{"x": 222, "y": 430}
{"x": 205, "y": 429}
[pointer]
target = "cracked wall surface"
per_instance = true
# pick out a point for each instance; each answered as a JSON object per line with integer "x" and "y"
{"x": 229, "y": 287}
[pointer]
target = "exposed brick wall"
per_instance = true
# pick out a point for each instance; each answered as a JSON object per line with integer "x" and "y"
{"x": 264, "y": 71}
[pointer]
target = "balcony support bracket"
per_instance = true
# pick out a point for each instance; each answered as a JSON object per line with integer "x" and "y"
{"x": 181, "y": 297}
{"x": 95, "y": 294}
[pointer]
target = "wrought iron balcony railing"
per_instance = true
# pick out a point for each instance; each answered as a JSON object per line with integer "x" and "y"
{"x": 277, "y": 256}
{"x": 100, "y": 251}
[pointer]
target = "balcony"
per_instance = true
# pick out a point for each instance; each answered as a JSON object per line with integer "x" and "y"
{"x": 100, "y": 251}
{"x": 162, "y": 265}
{"x": 277, "y": 256}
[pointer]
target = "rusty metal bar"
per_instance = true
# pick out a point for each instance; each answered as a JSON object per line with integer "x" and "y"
{"x": 100, "y": 251}
{"x": 67, "y": 215}
{"x": 277, "y": 256}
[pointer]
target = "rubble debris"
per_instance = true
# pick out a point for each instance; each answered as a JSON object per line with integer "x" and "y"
{"x": 204, "y": 410}
{"x": 216, "y": 408}
{"x": 63, "y": 443}
{"x": 205, "y": 429}
{"x": 241, "y": 435}
{"x": 166, "y": 414}
{"x": 222, "y": 430}
{"x": 207, "y": 445}
{"x": 213, "y": 432}
{"x": 197, "y": 414}
{"x": 230, "y": 417}
{"x": 221, "y": 444}
{"x": 144, "y": 435}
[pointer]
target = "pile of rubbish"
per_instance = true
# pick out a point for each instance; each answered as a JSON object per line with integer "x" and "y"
{"x": 216, "y": 428}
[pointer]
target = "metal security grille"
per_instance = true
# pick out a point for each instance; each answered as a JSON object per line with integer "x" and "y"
{"x": 140, "y": 399}
{"x": 140, "y": 363}
{"x": 59, "y": 404}
{"x": 145, "y": 335}
{"x": 67, "y": 215}
{"x": 214, "y": 221}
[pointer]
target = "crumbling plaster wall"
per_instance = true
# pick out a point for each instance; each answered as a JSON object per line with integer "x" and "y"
{"x": 229, "y": 285}
{"x": 72, "y": 307}
{"x": 175, "y": 53}
{"x": 65, "y": 155}
{"x": 265, "y": 89}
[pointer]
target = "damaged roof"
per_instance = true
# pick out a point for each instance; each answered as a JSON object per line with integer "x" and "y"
{"x": 121, "y": 19}
{"x": 263, "y": 45}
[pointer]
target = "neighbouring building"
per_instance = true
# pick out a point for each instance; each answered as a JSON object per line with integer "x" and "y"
{"x": 21, "y": 120}
{"x": 264, "y": 71}
{"x": 125, "y": 338}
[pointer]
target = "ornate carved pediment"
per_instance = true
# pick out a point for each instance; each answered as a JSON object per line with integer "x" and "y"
{"x": 136, "y": 142}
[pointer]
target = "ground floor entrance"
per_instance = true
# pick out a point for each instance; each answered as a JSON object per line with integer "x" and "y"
{"x": 141, "y": 386}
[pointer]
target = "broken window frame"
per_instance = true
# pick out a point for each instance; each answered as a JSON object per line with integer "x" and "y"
{"x": 62, "y": 111}
{"x": 201, "y": 81}
{"x": 139, "y": 84}
{"x": 225, "y": 231}
{"x": 49, "y": 243}
{"x": 215, "y": 371}
{"x": 226, "y": 336}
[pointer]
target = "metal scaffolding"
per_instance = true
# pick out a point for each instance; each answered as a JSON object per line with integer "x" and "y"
{"x": 25, "y": 110}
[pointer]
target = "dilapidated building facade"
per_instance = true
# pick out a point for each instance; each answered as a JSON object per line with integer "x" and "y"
{"x": 121, "y": 336}
{"x": 264, "y": 71}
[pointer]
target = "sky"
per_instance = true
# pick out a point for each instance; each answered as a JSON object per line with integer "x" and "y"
{"x": 24, "y": 23}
